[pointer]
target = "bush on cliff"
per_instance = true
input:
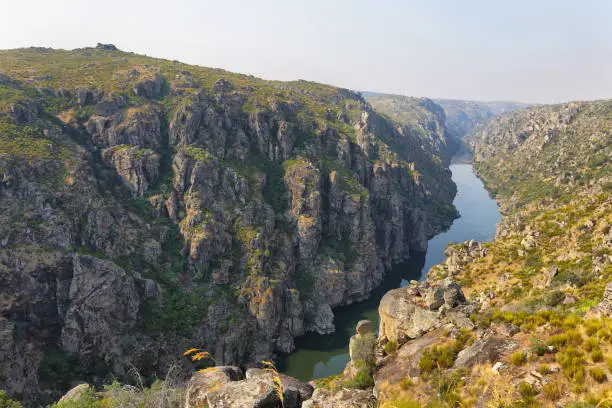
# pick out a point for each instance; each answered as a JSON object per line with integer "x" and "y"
{"x": 6, "y": 402}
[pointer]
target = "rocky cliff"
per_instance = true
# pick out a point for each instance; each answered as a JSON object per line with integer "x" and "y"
{"x": 421, "y": 118}
{"x": 149, "y": 206}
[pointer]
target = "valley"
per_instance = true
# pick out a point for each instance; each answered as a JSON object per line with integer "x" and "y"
{"x": 175, "y": 235}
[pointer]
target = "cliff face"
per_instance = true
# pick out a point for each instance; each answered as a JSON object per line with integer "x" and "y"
{"x": 148, "y": 206}
{"x": 422, "y": 119}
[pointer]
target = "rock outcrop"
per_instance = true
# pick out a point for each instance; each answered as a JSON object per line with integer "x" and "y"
{"x": 409, "y": 312}
{"x": 228, "y": 387}
{"x": 345, "y": 398}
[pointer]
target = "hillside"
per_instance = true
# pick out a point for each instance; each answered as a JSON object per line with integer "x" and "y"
{"x": 149, "y": 206}
{"x": 463, "y": 116}
{"x": 421, "y": 118}
{"x": 527, "y": 319}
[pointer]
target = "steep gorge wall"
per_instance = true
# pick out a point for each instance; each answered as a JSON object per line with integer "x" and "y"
{"x": 165, "y": 206}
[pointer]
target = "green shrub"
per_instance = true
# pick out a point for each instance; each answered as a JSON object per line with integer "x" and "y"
{"x": 552, "y": 391}
{"x": 362, "y": 380}
{"x": 401, "y": 403}
{"x": 391, "y": 347}
{"x": 427, "y": 363}
{"x": 572, "y": 361}
{"x": 590, "y": 344}
{"x": 518, "y": 358}
{"x": 6, "y": 402}
{"x": 406, "y": 383}
{"x": 598, "y": 374}
{"x": 538, "y": 347}
{"x": 527, "y": 390}
{"x": 597, "y": 356}
{"x": 544, "y": 369}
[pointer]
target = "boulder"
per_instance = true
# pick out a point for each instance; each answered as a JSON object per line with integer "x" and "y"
{"x": 75, "y": 392}
{"x": 483, "y": 351}
{"x": 257, "y": 392}
{"x": 365, "y": 327}
{"x": 345, "y": 398}
{"x": 402, "y": 319}
{"x": 206, "y": 380}
{"x": 107, "y": 47}
{"x": 404, "y": 314}
{"x": 294, "y": 391}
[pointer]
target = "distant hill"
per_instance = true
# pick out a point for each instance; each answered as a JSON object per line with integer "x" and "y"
{"x": 463, "y": 116}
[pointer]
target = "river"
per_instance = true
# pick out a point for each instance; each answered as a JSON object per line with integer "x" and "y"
{"x": 318, "y": 356}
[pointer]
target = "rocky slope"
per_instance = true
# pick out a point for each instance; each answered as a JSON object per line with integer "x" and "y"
{"x": 525, "y": 320}
{"x": 541, "y": 291}
{"x": 422, "y": 118}
{"x": 463, "y": 116}
{"x": 148, "y": 206}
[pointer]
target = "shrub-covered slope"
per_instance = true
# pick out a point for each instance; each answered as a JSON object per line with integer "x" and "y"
{"x": 147, "y": 205}
{"x": 539, "y": 297}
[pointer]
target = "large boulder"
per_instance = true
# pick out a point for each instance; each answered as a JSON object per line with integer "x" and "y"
{"x": 206, "y": 380}
{"x": 409, "y": 312}
{"x": 294, "y": 391}
{"x": 345, "y": 398}
{"x": 485, "y": 350}
{"x": 251, "y": 393}
{"x": 75, "y": 392}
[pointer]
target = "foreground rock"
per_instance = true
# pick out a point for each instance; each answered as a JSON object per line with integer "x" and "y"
{"x": 345, "y": 398}
{"x": 228, "y": 387}
{"x": 294, "y": 391}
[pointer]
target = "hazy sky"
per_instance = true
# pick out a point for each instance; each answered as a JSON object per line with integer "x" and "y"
{"x": 522, "y": 50}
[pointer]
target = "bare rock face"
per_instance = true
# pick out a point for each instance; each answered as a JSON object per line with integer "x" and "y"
{"x": 408, "y": 313}
{"x": 136, "y": 126}
{"x": 149, "y": 87}
{"x": 138, "y": 168}
{"x": 102, "y": 302}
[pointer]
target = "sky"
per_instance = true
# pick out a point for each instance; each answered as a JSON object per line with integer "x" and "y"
{"x": 539, "y": 51}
